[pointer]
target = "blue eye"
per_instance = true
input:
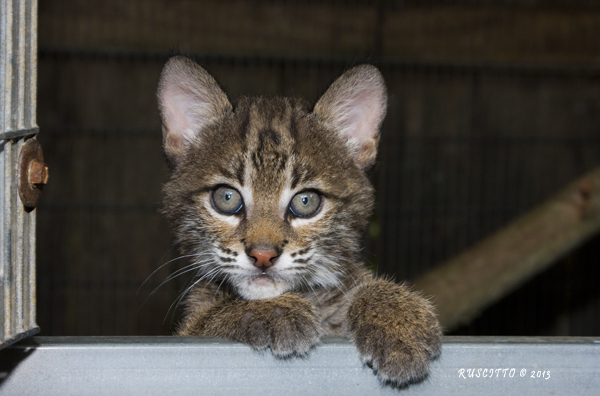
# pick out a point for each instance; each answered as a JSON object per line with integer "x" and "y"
{"x": 227, "y": 200}
{"x": 305, "y": 204}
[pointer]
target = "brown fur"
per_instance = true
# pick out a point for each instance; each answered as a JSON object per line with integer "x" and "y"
{"x": 318, "y": 284}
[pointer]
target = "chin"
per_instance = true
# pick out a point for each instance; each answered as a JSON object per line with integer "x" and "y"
{"x": 261, "y": 287}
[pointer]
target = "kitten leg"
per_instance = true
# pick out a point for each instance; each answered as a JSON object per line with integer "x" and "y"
{"x": 287, "y": 323}
{"x": 395, "y": 331}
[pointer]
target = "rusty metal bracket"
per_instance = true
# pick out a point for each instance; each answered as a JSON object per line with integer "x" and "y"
{"x": 33, "y": 173}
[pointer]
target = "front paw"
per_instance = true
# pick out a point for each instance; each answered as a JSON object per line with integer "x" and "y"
{"x": 395, "y": 331}
{"x": 287, "y": 324}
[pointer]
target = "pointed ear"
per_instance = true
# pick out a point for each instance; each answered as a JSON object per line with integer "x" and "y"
{"x": 189, "y": 99}
{"x": 354, "y": 106}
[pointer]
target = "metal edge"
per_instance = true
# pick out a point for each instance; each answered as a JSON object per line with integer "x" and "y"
{"x": 19, "y": 337}
{"x": 19, "y": 134}
{"x": 78, "y": 341}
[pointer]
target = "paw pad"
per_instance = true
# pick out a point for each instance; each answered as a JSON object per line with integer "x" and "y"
{"x": 247, "y": 317}
{"x": 278, "y": 312}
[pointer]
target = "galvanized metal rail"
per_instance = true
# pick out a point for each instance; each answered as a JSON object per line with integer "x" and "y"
{"x": 18, "y": 74}
{"x": 196, "y": 365}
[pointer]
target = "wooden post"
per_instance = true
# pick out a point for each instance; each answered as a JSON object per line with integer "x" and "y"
{"x": 483, "y": 274}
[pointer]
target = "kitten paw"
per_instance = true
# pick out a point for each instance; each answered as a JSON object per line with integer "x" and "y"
{"x": 395, "y": 331}
{"x": 394, "y": 359}
{"x": 255, "y": 332}
{"x": 287, "y": 324}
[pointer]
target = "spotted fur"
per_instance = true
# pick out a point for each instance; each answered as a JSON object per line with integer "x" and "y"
{"x": 268, "y": 150}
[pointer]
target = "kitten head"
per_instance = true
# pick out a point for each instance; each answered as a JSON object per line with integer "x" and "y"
{"x": 268, "y": 195}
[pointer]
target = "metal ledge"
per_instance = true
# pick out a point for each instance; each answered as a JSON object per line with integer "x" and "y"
{"x": 19, "y": 337}
{"x": 196, "y": 365}
{"x": 19, "y": 134}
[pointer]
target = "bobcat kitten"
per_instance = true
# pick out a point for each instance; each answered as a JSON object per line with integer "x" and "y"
{"x": 269, "y": 197}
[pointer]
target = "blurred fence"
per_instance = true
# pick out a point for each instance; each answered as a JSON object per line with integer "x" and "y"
{"x": 493, "y": 107}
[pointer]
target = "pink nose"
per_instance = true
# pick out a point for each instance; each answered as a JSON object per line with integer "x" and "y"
{"x": 263, "y": 257}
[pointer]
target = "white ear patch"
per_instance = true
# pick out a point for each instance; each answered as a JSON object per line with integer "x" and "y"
{"x": 354, "y": 106}
{"x": 182, "y": 111}
{"x": 189, "y": 99}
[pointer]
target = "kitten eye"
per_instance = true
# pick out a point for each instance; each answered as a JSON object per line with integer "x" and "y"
{"x": 227, "y": 200}
{"x": 305, "y": 204}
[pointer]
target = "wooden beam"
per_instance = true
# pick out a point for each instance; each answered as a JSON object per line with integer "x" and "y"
{"x": 355, "y": 30}
{"x": 507, "y": 35}
{"x": 467, "y": 284}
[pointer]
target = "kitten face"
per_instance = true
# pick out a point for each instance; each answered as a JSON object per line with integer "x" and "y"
{"x": 267, "y": 196}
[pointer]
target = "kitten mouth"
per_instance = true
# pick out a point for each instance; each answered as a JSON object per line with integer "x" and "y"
{"x": 262, "y": 279}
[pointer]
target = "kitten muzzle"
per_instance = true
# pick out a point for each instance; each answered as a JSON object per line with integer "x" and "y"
{"x": 263, "y": 259}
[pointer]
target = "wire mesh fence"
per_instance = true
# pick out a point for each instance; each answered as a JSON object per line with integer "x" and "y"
{"x": 493, "y": 107}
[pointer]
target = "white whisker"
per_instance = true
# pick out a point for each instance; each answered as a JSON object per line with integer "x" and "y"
{"x": 182, "y": 295}
{"x": 156, "y": 270}
{"x": 188, "y": 268}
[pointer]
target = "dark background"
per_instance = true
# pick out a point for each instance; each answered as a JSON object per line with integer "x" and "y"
{"x": 494, "y": 106}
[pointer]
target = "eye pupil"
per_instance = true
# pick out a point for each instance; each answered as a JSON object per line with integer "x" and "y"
{"x": 305, "y": 204}
{"x": 227, "y": 200}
